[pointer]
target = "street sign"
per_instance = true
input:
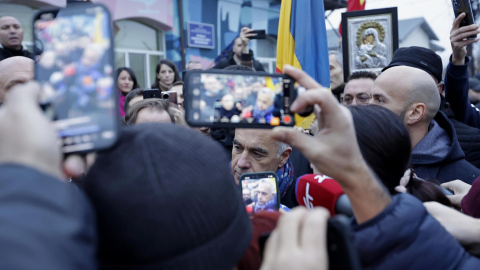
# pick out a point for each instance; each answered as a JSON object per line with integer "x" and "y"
{"x": 201, "y": 35}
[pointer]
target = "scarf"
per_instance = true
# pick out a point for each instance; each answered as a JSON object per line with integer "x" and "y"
{"x": 269, "y": 206}
{"x": 285, "y": 176}
{"x": 257, "y": 114}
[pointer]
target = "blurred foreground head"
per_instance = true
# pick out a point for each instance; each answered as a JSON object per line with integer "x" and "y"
{"x": 165, "y": 200}
{"x": 14, "y": 70}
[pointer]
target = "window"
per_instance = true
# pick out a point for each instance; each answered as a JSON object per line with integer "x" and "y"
{"x": 267, "y": 53}
{"x": 24, "y": 15}
{"x": 139, "y": 47}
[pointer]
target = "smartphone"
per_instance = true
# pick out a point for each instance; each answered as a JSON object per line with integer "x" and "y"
{"x": 170, "y": 96}
{"x": 260, "y": 34}
{"x": 460, "y": 6}
{"x": 260, "y": 192}
{"x": 74, "y": 66}
{"x": 445, "y": 191}
{"x": 238, "y": 99}
{"x": 341, "y": 252}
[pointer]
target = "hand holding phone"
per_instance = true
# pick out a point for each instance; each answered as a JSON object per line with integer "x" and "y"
{"x": 461, "y": 37}
{"x": 233, "y": 99}
{"x": 464, "y": 6}
{"x": 259, "y": 34}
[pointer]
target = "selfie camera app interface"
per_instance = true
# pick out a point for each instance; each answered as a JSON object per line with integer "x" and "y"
{"x": 75, "y": 73}
{"x": 260, "y": 194}
{"x": 219, "y": 98}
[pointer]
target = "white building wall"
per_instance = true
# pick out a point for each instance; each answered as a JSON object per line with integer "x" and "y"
{"x": 417, "y": 37}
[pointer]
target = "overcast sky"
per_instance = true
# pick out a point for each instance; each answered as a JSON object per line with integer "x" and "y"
{"x": 438, "y": 13}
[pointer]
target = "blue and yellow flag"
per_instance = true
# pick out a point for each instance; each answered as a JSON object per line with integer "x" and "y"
{"x": 302, "y": 39}
{"x": 302, "y": 42}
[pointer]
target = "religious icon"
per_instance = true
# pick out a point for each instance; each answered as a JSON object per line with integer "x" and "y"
{"x": 371, "y": 51}
{"x": 370, "y": 37}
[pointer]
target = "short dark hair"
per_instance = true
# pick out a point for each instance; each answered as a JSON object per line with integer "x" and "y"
{"x": 155, "y": 104}
{"x": 156, "y": 84}
{"x": 238, "y": 67}
{"x": 131, "y": 95}
{"x": 385, "y": 145}
{"x": 132, "y": 75}
{"x": 362, "y": 75}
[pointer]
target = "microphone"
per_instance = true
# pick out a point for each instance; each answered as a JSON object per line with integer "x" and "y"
{"x": 320, "y": 190}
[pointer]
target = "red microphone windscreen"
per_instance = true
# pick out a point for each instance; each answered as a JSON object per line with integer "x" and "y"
{"x": 318, "y": 190}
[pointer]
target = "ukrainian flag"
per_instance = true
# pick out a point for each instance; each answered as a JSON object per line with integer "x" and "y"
{"x": 302, "y": 38}
{"x": 302, "y": 43}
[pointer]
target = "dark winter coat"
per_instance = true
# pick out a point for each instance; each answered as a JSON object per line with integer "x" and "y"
{"x": 439, "y": 155}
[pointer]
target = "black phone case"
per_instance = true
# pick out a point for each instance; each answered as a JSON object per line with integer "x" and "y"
{"x": 38, "y": 49}
{"x": 464, "y": 6}
{"x": 260, "y": 34}
{"x": 187, "y": 103}
{"x": 341, "y": 252}
{"x": 152, "y": 93}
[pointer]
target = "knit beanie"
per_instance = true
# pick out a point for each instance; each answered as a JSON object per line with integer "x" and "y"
{"x": 165, "y": 200}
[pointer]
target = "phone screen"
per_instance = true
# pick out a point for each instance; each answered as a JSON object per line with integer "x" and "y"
{"x": 74, "y": 65}
{"x": 260, "y": 192}
{"x": 235, "y": 100}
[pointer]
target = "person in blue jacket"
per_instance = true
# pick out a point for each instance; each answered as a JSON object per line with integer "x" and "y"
{"x": 412, "y": 94}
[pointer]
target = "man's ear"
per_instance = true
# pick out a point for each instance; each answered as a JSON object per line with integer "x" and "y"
{"x": 415, "y": 113}
{"x": 284, "y": 157}
{"x": 440, "y": 88}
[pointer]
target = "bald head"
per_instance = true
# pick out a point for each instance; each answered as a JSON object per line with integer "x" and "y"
{"x": 400, "y": 89}
{"x": 11, "y": 32}
{"x": 14, "y": 70}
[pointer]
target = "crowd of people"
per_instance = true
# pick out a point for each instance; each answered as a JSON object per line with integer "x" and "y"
{"x": 167, "y": 196}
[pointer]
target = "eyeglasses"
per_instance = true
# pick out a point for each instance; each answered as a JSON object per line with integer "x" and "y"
{"x": 362, "y": 99}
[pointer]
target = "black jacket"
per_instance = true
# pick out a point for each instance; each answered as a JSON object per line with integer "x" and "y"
{"x": 44, "y": 223}
{"x": 6, "y": 53}
{"x": 468, "y": 137}
{"x": 224, "y": 136}
{"x": 230, "y": 61}
{"x": 438, "y": 155}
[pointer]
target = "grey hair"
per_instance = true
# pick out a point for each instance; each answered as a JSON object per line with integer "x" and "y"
{"x": 270, "y": 184}
{"x": 266, "y": 90}
{"x": 281, "y": 147}
{"x": 338, "y": 57}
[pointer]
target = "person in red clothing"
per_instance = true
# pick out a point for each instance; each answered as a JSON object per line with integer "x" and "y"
{"x": 262, "y": 223}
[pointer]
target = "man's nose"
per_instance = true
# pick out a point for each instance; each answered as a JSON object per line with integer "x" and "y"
{"x": 244, "y": 162}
